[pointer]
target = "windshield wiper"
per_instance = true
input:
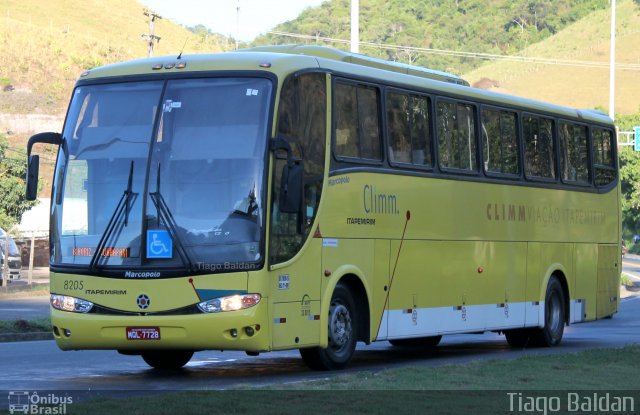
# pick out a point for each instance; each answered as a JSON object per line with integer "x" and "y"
{"x": 165, "y": 216}
{"x": 123, "y": 206}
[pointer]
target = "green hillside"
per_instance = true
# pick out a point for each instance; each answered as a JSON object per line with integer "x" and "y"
{"x": 45, "y": 45}
{"x": 581, "y": 87}
{"x": 490, "y": 26}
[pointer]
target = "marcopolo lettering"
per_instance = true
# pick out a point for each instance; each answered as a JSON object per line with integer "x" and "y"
{"x": 147, "y": 274}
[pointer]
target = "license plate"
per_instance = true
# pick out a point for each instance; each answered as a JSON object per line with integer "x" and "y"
{"x": 143, "y": 333}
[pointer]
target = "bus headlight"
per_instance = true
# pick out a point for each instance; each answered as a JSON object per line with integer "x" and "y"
{"x": 230, "y": 303}
{"x": 66, "y": 303}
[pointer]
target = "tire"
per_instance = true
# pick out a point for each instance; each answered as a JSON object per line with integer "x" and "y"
{"x": 167, "y": 359}
{"x": 554, "y": 316}
{"x": 518, "y": 338}
{"x": 342, "y": 334}
{"x": 431, "y": 341}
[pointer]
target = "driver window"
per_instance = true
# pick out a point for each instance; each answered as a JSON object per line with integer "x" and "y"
{"x": 302, "y": 122}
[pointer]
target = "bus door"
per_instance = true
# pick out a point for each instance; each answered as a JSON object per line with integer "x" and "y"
{"x": 295, "y": 273}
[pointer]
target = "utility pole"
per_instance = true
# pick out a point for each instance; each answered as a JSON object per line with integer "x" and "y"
{"x": 612, "y": 63}
{"x": 237, "y": 24}
{"x": 355, "y": 26}
{"x": 151, "y": 38}
{"x": 5, "y": 261}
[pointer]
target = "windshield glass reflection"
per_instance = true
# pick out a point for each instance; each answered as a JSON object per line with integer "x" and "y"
{"x": 203, "y": 206}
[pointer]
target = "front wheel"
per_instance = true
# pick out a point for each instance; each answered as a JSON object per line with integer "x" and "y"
{"x": 342, "y": 334}
{"x": 554, "y": 316}
{"x": 517, "y": 338}
{"x": 167, "y": 359}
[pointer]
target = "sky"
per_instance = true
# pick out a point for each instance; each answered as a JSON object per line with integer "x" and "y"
{"x": 256, "y": 16}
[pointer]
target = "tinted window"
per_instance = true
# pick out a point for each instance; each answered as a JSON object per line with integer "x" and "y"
{"x": 603, "y": 159}
{"x": 574, "y": 161}
{"x": 408, "y": 129}
{"x": 456, "y": 135}
{"x": 538, "y": 147}
{"x": 357, "y": 122}
{"x": 500, "y": 142}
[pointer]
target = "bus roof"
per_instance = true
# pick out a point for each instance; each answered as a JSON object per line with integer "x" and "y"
{"x": 358, "y": 59}
{"x": 286, "y": 59}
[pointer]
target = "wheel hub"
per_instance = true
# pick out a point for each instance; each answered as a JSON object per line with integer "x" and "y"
{"x": 339, "y": 325}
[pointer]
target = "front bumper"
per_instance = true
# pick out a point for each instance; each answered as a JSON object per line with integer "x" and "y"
{"x": 77, "y": 331}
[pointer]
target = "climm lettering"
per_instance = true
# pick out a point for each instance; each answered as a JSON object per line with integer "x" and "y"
{"x": 502, "y": 212}
{"x": 378, "y": 202}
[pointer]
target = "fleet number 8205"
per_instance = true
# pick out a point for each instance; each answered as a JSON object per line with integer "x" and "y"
{"x": 73, "y": 285}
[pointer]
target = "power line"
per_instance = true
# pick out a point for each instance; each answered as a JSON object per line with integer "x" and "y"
{"x": 473, "y": 55}
{"x": 12, "y": 150}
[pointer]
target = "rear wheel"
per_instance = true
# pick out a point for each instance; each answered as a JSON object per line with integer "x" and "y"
{"x": 431, "y": 341}
{"x": 554, "y": 316}
{"x": 167, "y": 359}
{"x": 342, "y": 334}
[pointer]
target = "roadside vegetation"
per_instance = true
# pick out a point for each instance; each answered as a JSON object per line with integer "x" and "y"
{"x": 13, "y": 291}
{"x": 21, "y": 330}
{"x": 12, "y": 185}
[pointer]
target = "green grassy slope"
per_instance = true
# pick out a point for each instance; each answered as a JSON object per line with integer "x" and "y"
{"x": 580, "y": 87}
{"x": 45, "y": 45}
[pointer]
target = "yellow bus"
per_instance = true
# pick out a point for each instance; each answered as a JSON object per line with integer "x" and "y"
{"x": 300, "y": 197}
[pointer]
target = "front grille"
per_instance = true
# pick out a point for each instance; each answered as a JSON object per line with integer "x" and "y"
{"x": 191, "y": 309}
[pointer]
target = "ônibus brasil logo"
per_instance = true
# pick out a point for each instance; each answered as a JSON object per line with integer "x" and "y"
{"x": 23, "y": 402}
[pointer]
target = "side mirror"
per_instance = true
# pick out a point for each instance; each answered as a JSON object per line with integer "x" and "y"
{"x": 32, "y": 177}
{"x": 44, "y": 138}
{"x": 34, "y": 161}
{"x": 291, "y": 189}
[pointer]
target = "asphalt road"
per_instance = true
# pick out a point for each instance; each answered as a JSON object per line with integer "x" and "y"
{"x": 41, "y": 365}
{"x": 631, "y": 265}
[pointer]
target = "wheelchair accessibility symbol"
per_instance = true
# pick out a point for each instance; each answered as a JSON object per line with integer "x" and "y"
{"x": 159, "y": 244}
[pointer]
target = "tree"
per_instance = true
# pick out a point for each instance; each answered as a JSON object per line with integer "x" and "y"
{"x": 13, "y": 169}
{"x": 630, "y": 177}
{"x": 630, "y": 186}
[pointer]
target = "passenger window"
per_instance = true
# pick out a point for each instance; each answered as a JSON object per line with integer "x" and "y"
{"x": 357, "y": 112}
{"x": 574, "y": 162}
{"x": 539, "y": 159}
{"x": 603, "y": 160}
{"x": 456, "y": 136}
{"x": 500, "y": 142}
{"x": 408, "y": 129}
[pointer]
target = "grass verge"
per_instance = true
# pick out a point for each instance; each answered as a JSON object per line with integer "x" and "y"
{"x": 21, "y": 330}
{"x": 24, "y": 290}
{"x": 478, "y": 387}
{"x": 626, "y": 280}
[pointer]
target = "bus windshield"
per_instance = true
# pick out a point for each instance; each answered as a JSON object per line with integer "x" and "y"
{"x": 163, "y": 175}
